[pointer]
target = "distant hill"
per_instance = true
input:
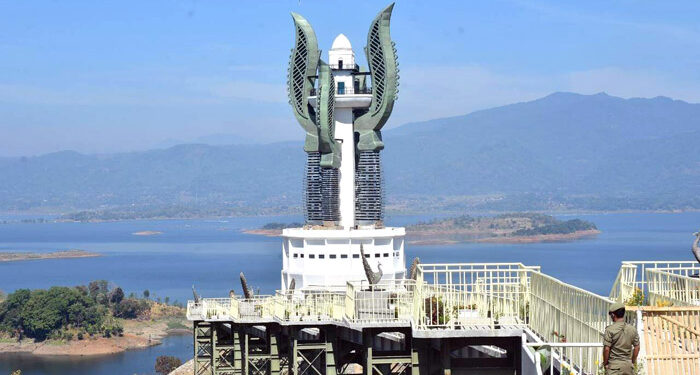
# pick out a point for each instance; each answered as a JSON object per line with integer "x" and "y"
{"x": 561, "y": 151}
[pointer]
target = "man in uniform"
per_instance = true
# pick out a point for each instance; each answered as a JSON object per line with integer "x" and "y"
{"x": 621, "y": 343}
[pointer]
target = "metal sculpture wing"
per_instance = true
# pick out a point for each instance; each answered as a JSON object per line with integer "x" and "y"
{"x": 330, "y": 149}
{"x": 301, "y": 76}
{"x": 384, "y": 70}
{"x": 696, "y": 246}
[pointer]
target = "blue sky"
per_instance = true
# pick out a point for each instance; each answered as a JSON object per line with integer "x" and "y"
{"x": 110, "y": 76}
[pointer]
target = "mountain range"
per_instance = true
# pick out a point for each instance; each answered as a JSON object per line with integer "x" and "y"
{"x": 564, "y": 150}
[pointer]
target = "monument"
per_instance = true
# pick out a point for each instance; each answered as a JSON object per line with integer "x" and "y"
{"x": 342, "y": 107}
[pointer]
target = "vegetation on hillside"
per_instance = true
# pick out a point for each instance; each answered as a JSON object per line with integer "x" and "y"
{"x": 564, "y": 227}
{"x": 65, "y": 313}
{"x": 513, "y": 224}
{"x": 272, "y": 226}
{"x": 558, "y": 152}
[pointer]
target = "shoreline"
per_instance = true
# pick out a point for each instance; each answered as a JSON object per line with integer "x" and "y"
{"x": 436, "y": 237}
{"x": 264, "y": 232}
{"x": 137, "y": 335}
{"x": 399, "y": 213}
{"x": 540, "y": 238}
{"x": 62, "y": 254}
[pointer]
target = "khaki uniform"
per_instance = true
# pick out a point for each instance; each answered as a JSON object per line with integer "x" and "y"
{"x": 621, "y": 338}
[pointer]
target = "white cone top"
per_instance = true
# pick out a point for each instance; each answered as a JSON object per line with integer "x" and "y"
{"x": 341, "y": 42}
{"x": 341, "y": 50}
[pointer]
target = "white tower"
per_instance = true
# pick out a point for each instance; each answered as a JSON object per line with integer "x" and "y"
{"x": 342, "y": 116}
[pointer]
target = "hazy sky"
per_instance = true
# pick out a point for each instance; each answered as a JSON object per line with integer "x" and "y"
{"x": 106, "y": 76}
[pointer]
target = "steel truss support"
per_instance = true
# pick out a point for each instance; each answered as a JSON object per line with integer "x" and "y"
{"x": 313, "y": 356}
{"x": 261, "y": 352}
{"x": 388, "y": 362}
{"x": 203, "y": 348}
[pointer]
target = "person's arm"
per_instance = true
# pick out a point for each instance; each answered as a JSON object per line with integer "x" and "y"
{"x": 607, "y": 343}
{"x": 606, "y": 356}
{"x": 635, "y": 343}
{"x": 634, "y": 354}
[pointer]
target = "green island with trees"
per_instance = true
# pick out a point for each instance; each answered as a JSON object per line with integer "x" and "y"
{"x": 513, "y": 227}
{"x": 97, "y": 311}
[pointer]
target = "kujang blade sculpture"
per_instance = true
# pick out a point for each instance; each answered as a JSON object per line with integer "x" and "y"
{"x": 195, "y": 295}
{"x": 696, "y": 246}
{"x": 247, "y": 292}
{"x": 413, "y": 271}
{"x": 372, "y": 277}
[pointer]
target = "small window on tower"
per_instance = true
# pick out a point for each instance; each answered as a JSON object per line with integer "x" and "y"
{"x": 343, "y": 256}
{"x": 377, "y": 255}
{"x": 296, "y": 255}
{"x": 301, "y": 255}
{"x": 332, "y": 256}
{"x": 340, "y": 64}
{"x": 321, "y": 256}
{"x": 312, "y": 256}
{"x": 355, "y": 256}
{"x": 386, "y": 255}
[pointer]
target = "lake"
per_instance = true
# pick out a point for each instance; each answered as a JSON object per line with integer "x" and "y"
{"x": 211, "y": 253}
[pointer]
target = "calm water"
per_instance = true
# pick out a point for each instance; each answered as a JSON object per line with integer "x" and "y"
{"x": 211, "y": 253}
{"x": 127, "y": 363}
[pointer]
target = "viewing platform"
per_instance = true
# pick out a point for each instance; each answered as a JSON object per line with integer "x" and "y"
{"x": 497, "y": 317}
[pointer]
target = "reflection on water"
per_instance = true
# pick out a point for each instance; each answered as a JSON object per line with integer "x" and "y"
{"x": 140, "y": 361}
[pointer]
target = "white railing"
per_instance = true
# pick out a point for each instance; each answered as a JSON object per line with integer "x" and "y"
{"x": 568, "y": 358}
{"x": 473, "y": 295}
{"x": 632, "y": 279}
{"x": 672, "y": 287}
{"x": 565, "y": 313}
{"x": 309, "y": 306}
{"x": 194, "y": 310}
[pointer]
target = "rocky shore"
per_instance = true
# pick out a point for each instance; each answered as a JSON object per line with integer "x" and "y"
{"x": 137, "y": 335}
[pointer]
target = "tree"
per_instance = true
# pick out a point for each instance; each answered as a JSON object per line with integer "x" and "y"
{"x": 11, "y": 309}
{"x": 146, "y": 294}
{"x": 167, "y": 300}
{"x": 130, "y": 308}
{"x": 98, "y": 286}
{"x": 116, "y": 296}
{"x": 165, "y": 364}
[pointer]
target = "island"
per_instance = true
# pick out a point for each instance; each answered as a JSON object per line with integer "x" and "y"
{"x": 85, "y": 320}
{"x": 273, "y": 229}
{"x": 63, "y": 254}
{"x": 504, "y": 228}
